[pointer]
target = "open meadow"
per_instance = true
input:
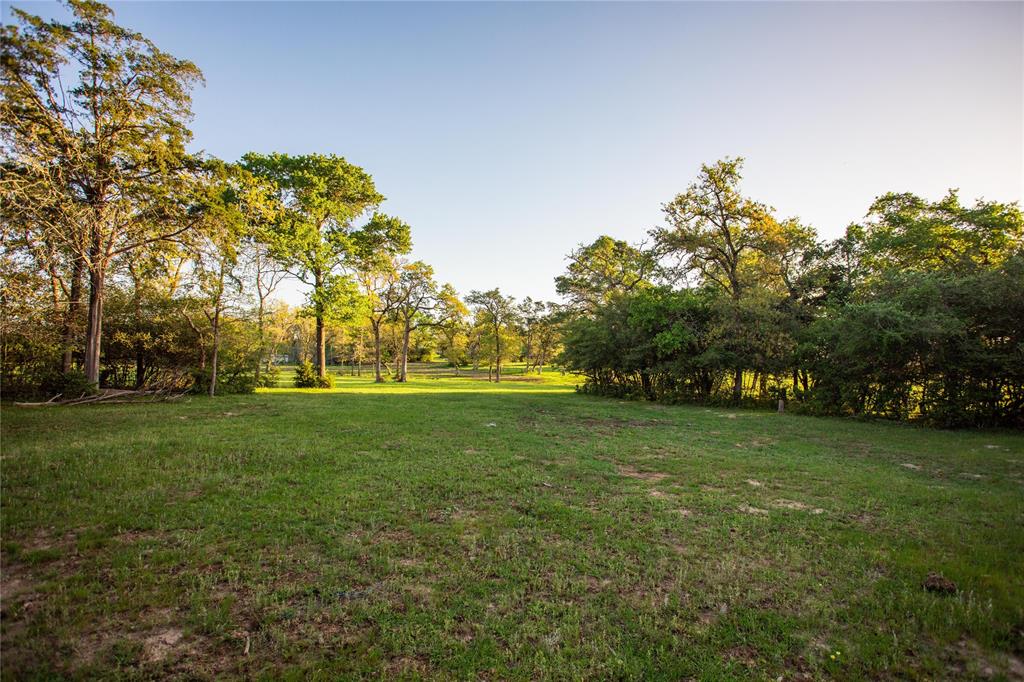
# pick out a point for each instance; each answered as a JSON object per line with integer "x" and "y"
{"x": 459, "y": 529}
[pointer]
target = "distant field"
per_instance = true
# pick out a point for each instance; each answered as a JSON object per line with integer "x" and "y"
{"x": 429, "y": 370}
{"x": 452, "y": 528}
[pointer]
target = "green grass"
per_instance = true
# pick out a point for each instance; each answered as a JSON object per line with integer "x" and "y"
{"x": 451, "y": 528}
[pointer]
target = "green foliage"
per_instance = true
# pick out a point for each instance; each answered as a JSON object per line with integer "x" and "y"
{"x": 71, "y": 384}
{"x": 231, "y": 379}
{"x": 915, "y": 315}
{"x": 906, "y": 232}
{"x": 603, "y": 269}
{"x": 269, "y": 377}
{"x": 306, "y": 377}
{"x": 94, "y": 120}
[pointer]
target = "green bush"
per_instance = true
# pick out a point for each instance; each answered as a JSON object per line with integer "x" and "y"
{"x": 269, "y": 377}
{"x": 71, "y": 384}
{"x": 230, "y": 380}
{"x": 306, "y": 377}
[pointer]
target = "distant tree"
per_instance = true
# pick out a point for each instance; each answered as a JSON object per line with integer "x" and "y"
{"x": 381, "y": 283}
{"x": 265, "y": 273}
{"x": 417, "y": 299}
{"x": 498, "y": 314}
{"x": 233, "y": 201}
{"x": 94, "y": 129}
{"x": 451, "y": 317}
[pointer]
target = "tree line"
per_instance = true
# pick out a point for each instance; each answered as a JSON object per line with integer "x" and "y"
{"x": 917, "y": 312}
{"x": 129, "y": 261}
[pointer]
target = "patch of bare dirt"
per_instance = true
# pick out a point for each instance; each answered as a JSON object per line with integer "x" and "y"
{"x": 796, "y": 506}
{"x": 407, "y": 665}
{"x": 649, "y": 476}
{"x": 747, "y": 509}
{"x": 969, "y": 658}
{"x": 746, "y": 655}
{"x": 161, "y": 645}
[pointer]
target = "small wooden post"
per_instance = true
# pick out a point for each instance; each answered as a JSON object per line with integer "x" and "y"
{"x": 782, "y": 401}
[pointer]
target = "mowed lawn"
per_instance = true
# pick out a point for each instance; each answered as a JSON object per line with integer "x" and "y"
{"x": 454, "y": 529}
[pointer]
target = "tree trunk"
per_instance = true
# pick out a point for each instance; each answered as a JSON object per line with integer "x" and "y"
{"x": 321, "y": 348}
{"x": 94, "y": 325}
{"x": 140, "y": 366}
{"x": 140, "y": 360}
{"x": 261, "y": 334}
{"x": 216, "y": 350}
{"x": 737, "y": 385}
{"x": 74, "y": 304}
{"x": 404, "y": 376}
{"x": 497, "y": 359}
{"x": 376, "y": 353}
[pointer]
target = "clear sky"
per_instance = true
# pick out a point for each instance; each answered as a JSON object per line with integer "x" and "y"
{"x": 505, "y": 133}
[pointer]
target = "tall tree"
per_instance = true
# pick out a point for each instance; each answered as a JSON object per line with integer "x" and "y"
{"x": 109, "y": 145}
{"x": 714, "y": 231}
{"x": 323, "y": 196}
{"x": 498, "y": 313}
{"x": 417, "y": 299}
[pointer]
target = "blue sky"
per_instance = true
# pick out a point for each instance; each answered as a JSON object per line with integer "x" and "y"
{"x": 507, "y": 133}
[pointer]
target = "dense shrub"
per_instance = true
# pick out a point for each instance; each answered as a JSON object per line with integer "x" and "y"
{"x": 72, "y": 384}
{"x": 269, "y": 376}
{"x": 942, "y": 347}
{"x": 306, "y": 377}
{"x": 231, "y": 379}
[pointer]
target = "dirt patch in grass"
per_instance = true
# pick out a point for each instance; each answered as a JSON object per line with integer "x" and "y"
{"x": 747, "y": 509}
{"x": 796, "y": 506}
{"x": 968, "y": 658}
{"x": 649, "y": 476}
{"x": 595, "y": 585}
{"x": 407, "y": 666}
{"x": 160, "y": 645}
{"x": 746, "y": 655}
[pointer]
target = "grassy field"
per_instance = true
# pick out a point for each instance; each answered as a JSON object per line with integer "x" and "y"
{"x": 451, "y": 528}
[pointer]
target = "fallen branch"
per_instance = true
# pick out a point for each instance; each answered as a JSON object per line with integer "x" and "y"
{"x": 112, "y": 396}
